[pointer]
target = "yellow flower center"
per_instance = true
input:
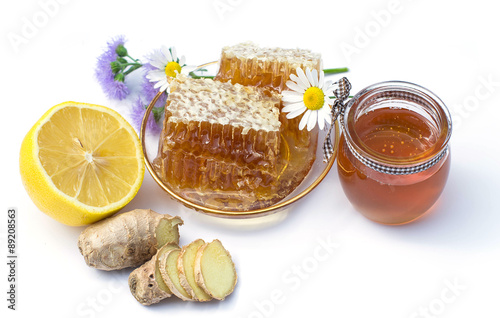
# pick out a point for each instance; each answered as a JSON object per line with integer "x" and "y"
{"x": 314, "y": 98}
{"x": 172, "y": 69}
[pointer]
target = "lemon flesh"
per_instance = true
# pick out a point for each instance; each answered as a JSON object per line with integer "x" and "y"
{"x": 80, "y": 163}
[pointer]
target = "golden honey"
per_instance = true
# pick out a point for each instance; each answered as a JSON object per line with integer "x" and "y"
{"x": 220, "y": 138}
{"x": 249, "y": 64}
{"x": 225, "y": 144}
{"x": 393, "y": 160}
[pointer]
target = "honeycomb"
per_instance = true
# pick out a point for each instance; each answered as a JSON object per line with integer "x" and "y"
{"x": 225, "y": 143}
{"x": 249, "y": 64}
{"x": 258, "y": 149}
{"x": 220, "y": 137}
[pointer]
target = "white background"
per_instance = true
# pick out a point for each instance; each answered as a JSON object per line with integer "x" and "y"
{"x": 445, "y": 265}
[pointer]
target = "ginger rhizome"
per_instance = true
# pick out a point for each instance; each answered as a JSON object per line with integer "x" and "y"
{"x": 146, "y": 283}
{"x": 198, "y": 272}
{"x": 128, "y": 239}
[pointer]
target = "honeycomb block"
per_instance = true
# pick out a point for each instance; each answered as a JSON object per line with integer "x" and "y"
{"x": 270, "y": 68}
{"x": 257, "y": 149}
{"x": 249, "y": 64}
{"x": 224, "y": 143}
{"x": 219, "y": 136}
{"x": 187, "y": 170}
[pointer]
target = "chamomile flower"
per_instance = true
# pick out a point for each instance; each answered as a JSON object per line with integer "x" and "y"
{"x": 166, "y": 66}
{"x": 309, "y": 93}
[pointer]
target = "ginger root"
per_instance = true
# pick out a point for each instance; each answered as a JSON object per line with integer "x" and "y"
{"x": 209, "y": 267}
{"x": 146, "y": 283}
{"x": 127, "y": 239}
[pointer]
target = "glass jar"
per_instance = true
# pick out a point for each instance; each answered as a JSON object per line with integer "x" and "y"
{"x": 394, "y": 158}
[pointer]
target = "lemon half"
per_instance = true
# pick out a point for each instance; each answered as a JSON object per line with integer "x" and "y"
{"x": 81, "y": 163}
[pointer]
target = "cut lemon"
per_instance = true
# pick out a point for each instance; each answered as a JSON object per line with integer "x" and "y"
{"x": 81, "y": 163}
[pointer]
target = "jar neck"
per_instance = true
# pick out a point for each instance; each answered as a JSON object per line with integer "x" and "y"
{"x": 405, "y": 96}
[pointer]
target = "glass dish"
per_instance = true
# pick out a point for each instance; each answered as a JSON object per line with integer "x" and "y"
{"x": 317, "y": 173}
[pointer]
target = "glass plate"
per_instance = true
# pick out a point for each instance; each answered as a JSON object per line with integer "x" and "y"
{"x": 317, "y": 173}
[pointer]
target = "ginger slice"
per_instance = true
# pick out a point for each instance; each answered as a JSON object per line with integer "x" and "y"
{"x": 168, "y": 269}
{"x": 159, "y": 280}
{"x": 214, "y": 270}
{"x": 185, "y": 266}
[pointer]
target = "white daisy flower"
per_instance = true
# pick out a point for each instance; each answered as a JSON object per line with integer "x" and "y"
{"x": 309, "y": 94}
{"x": 168, "y": 66}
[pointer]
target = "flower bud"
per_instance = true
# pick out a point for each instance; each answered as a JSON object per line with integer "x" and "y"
{"x": 119, "y": 77}
{"x": 115, "y": 67}
{"x": 121, "y": 50}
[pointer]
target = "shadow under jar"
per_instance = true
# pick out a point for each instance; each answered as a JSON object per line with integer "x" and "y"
{"x": 394, "y": 159}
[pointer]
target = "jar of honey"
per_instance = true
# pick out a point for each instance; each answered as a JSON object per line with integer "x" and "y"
{"x": 394, "y": 158}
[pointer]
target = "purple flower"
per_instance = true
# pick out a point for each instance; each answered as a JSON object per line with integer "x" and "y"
{"x": 113, "y": 89}
{"x": 137, "y": 112}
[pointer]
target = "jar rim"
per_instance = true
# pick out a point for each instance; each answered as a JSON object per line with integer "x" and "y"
{"x": 402, "y": 90}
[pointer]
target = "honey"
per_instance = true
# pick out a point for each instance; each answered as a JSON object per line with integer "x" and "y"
{"x": 257, "y": 149}
{"x": 249, "y": 64}
{"x": 270, "y": 68}
{"x": 394, "y": 160}
{"x": 225, "y": 143}
{"x": 220, "y": 138}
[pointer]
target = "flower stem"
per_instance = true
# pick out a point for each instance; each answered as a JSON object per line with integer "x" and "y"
{"x": 350, "y": 96}
{"x": 133, "y": 68}
{"x": 135, "y": 60}
{"x": 203, "y": 76}
{"x": 335, "y": 70}
{"x": 193, "y": 75}
{"x": 135, "y": 64}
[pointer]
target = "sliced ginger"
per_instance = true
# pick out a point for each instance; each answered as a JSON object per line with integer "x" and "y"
{"x": 159, "y": 280}
{"x": 168, "y": 269}
{"x": 185, "y": 266}
{"x": 214, "y": 270}
{"x": 198, "y": 272}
